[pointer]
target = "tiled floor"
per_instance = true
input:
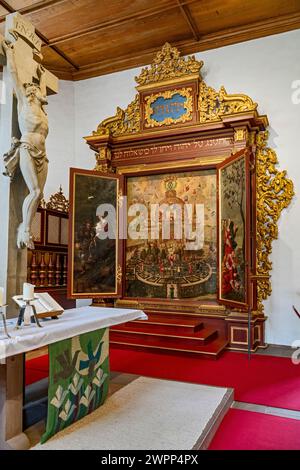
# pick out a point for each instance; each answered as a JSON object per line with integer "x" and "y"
{"x": 269, "y": 410}
{"x": 276, "y": 350}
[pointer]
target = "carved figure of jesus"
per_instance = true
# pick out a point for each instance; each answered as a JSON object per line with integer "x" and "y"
{"x": 29, "y": 152}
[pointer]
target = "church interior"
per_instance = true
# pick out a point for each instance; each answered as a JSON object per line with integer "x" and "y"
{"x": 149, "y": 275}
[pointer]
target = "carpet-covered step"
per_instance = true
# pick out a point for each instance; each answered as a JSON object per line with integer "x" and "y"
{"x": 134, "y": 340}
{"x": 163, "y": 326}
{"x": 178, "y": 318}
{"x": 204, "y": 335}
{"x": 171, "y": 319}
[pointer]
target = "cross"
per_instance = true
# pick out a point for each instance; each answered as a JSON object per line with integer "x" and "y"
{"x": 27, "y": 47}
{"x": 27, "y": 55}
{"x": 13, "y": 267}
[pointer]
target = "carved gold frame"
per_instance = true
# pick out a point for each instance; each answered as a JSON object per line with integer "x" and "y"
{"x": 188, "y": 105}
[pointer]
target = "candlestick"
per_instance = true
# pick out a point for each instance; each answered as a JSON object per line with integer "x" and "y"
{"x": 1, "y": 296}
{"x": 3, "y": 316}
{"x": 27, "y": 315}
{"x": 26, "y": 309}
{"x": 28, "y": 291}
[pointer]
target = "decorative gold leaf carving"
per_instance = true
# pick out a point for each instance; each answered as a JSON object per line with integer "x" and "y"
{"x": 124, "y": 122}
{"x": 168, "y": 64}
{"x": 213, "y": 105}
{"x": 103, "y": 160}
{"x": 103, "y": 168}
{"x": 274, "y": 192}
{"x": 58, "y": 202}
{"x": 120, "y": 199}
{"x": 240, "y": 135}
{"x": 188, "y": 105}
{"x": 119, "y": 274}
{"x": 43, "y": 204}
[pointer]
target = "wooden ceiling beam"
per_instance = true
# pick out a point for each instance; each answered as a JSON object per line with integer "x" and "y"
{"x": 57, "y": 50}
{"x": 7, "y": 7}
{"x": 189, "y": 19}
{"x": 39, "y": 6}
{"x": 43, "y": 38}
{"x": 119, "y": 21}
{"x": 209, "y": 41}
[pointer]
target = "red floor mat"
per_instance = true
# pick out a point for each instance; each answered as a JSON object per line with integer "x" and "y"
{"x": 265, "y": 380}
{"x": 36, "y": 369}
{"x": 246, "y": 430}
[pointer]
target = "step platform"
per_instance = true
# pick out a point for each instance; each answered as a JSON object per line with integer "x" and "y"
{"x": 170, "y": 333}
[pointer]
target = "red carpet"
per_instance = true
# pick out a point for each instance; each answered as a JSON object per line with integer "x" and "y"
{"x": 36, "y": 369}
{"x": 265, "y": 380}
{"x": 245, "y": 430}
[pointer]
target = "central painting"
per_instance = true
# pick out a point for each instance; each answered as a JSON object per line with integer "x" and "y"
{"x": 175, "y": 254}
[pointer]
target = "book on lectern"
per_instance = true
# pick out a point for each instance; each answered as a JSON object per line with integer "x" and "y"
{"x": 45, "y": 305}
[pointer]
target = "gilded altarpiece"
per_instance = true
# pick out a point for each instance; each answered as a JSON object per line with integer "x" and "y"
{"x": 182, "y": 142}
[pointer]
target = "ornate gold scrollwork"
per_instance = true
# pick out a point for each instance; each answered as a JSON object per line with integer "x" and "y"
{"x": 188, "y": 105}
{"x": 120, "y": 199}
{"x": 124, "y": 122}
{"x": 58, "y": 202}
{"x": 119, "y": 274}
{"x": 240, "y": 135}
{"x": 103, "y": 160}
{"x": 168, "y": 65}
{"x": 213, "y": 105}
{"x": 274, "y": 192}
{"x": 43, "y": 204}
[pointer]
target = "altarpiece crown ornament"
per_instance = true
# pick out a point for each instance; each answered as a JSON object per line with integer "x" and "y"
{"x": 58, "y": 202}
{"x": 169, "y": 65}
{"x": 177, "y": 122}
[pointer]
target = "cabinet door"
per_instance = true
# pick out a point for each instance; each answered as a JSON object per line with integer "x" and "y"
{"x": 233, "y": 176}
{"x": 95, "y": 248}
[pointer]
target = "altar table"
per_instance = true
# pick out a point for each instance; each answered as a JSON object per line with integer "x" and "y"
{"x": 69, "y": 332}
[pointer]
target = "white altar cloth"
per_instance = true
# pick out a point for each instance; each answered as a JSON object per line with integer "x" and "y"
{"x": 73, "y": 322}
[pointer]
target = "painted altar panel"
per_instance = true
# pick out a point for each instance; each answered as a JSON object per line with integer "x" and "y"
{"x": 94, "y": 249}
{"x": 234, "y": 227}
{"x": 168, "y": 261}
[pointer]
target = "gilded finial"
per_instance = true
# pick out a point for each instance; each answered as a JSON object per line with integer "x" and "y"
{"x": 168, "y": 64}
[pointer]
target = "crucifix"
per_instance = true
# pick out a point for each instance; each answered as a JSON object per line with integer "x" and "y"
{"x": 23, "y": 172}
{"x": 23, "y": 132}
{"x": 29, "y": 80}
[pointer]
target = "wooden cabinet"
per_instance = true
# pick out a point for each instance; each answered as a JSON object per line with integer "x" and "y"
{"x": 47, "y": 263}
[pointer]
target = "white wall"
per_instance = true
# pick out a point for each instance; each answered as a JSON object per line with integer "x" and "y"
{"x": 61, "y": 139}
{"x": 95, "y": 100}
{"x": 263, "y": 69}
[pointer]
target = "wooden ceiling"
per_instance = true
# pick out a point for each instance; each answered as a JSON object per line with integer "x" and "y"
{"x": 87, "y": 38}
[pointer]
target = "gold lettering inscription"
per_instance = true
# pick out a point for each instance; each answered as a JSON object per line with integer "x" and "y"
{"x": 165, "y": 149}
{"x": 168, "y": 108}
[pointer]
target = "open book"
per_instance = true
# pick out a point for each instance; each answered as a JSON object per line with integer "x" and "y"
{"x": 45, "y": 305}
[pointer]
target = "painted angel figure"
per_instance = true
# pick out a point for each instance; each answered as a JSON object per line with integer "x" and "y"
{"x": 29, "y": 152}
